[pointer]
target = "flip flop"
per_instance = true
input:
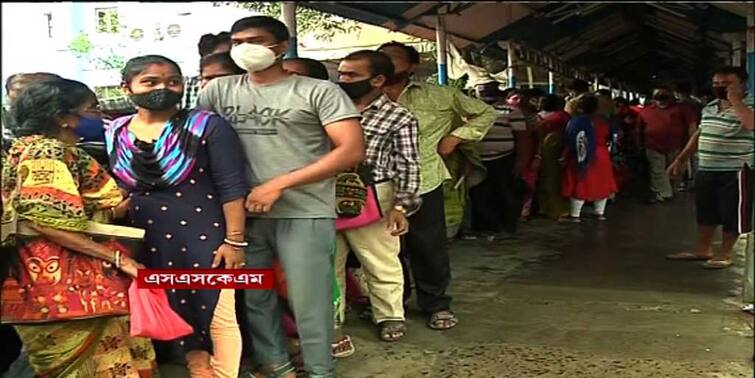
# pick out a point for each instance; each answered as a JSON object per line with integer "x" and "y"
{"x": 391, "y": 327}
{"x": 440, "y": 316}
{"x": 716, "y": 264}
{"x": 687, "y": 256}
{"x": 346, "y": 353}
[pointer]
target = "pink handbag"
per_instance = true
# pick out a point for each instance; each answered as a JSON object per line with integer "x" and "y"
{"x": 152, "y": 317}
{"x": 370, "y": 214}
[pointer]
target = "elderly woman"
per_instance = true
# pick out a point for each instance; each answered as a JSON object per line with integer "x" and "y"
{"x": 66, "y": 295}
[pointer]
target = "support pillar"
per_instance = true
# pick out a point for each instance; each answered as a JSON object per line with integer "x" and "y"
{"x": 596, "y": 84}
{"x": 748, "y": 294}
{"x": 440, "y": 39}
{"x": 551, "y": 83}
{"x": 736, "y": 50}
{"x": 510, "y": 46}
{"x": 530, "y": 77}
{"x": 289, "y": 18}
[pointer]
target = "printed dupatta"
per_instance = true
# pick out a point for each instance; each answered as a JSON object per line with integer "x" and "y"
{"x": 166, "y": 162}
{"x": 580, "y": 140}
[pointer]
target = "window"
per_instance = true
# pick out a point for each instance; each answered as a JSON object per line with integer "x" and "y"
{"x": 107, "y": 20}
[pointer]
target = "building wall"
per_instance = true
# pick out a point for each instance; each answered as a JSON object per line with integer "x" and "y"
{"x": 29, "y": 45}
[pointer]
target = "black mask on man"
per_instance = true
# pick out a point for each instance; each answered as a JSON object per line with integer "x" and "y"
{"x": 357, "y": 89}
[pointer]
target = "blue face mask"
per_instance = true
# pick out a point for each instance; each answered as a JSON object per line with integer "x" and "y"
{"x": 90, "y": 129}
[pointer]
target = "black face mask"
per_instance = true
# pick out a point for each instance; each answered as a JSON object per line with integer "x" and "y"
{"x": 720, "y": 92}
{"x": 159, "y": 99}
{"x": 357, "y": 89}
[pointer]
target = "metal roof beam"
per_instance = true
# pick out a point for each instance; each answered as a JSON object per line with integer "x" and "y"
{"x": 667, "y": 10}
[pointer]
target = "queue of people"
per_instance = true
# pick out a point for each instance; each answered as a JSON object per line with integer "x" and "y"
{"x": 263, "y": 161}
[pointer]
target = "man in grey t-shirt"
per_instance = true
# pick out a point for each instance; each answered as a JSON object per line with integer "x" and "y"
{"x": 298, "y": 133}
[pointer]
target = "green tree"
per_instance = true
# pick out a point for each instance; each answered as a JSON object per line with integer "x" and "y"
{"x": 81, "y": 46}
{"x": 323, "y": 26}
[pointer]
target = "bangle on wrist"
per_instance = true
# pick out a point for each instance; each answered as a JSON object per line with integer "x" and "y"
{"x": 400, "y": 209}
{"x": 117, "y": 259}
{"x": 237, "y": 244}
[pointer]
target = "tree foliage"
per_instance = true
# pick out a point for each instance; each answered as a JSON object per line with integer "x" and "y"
{"x": 323, "y": 26}
{"x": 83, "y": 48}
{"x": 81, "y": 45}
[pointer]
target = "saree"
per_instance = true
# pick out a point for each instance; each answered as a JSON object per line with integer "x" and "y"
{"x": 551, "y": 135}
{"x": 68, "y": 308}
{"x": 99, "y": 348}
{"x": 467, "y": 171}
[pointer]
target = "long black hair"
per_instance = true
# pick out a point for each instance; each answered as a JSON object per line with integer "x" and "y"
{"x": 38, "y": 109}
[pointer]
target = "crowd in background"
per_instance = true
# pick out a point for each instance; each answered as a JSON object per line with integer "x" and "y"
{"x": 249, "y": 164}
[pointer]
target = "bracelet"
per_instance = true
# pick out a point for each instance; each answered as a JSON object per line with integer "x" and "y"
{"x": 112, "y": 214}
{"x": 400, "y": 209}
{"x": 232, "y": 243}
{"x": 117, "y": 261}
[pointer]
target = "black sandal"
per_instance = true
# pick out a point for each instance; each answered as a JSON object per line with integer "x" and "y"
{"x": 389, "y": 328}
{"x": 366, "y": 313}
{"x": 276, "y": 372}
{"x": 443, "y": 316}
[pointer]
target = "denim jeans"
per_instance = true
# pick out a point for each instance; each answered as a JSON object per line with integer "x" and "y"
{"x": 305, "y": 250}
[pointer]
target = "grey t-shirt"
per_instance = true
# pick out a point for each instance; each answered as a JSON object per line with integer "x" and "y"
{"x": 281, "y": 127}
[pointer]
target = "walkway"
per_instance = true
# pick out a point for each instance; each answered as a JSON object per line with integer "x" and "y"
{"x": 585, "y": 300}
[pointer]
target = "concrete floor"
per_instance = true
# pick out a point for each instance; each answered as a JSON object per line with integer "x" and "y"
{"x": 576, "y": 300}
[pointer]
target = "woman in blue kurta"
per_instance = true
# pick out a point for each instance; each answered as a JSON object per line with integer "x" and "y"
{"x": 185, "y": 174}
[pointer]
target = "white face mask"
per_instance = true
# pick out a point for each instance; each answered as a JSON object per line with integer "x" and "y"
{"x": 253, "y": 58}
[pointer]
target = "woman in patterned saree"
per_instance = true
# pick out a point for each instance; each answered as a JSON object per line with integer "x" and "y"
{"x": 65, "y": 295}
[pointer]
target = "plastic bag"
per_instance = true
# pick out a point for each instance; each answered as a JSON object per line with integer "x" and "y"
{"x": 152, "y": 316}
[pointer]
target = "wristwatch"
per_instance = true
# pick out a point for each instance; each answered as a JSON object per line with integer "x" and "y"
{"x": 400, "y": 209}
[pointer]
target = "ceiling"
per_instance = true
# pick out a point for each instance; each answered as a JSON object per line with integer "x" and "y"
{"x": 632, "y": 43}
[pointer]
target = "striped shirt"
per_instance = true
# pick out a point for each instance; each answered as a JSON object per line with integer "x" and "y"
{"x": 499, "y": 141}
{"x": 724, "y": 145}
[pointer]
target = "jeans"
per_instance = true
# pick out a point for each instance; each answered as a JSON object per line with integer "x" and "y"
{"x": 305, "y": 250}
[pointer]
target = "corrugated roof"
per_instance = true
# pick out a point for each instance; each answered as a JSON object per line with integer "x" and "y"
{"x": 628, "y": 42}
